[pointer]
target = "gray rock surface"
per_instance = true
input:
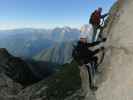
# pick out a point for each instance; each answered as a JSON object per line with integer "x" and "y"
{"x": 119, "y": 81}
{"x": 116, "y": 81}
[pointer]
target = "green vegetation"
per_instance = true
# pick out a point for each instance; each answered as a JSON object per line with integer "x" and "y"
{"x": 64, "y": 83}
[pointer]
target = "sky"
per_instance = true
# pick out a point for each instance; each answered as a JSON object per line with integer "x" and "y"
{"x": 48, "y": 13}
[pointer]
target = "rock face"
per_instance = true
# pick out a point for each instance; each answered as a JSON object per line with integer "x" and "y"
{"x": 117, "y": 83}
{"x": 8, "y": 88}
{"x": 15, "y": 68}
{"x": 24, "y": 72}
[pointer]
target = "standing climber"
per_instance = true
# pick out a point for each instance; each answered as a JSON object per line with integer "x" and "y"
{"x": 83, "y": 55}
{"x": 95, "y": 20}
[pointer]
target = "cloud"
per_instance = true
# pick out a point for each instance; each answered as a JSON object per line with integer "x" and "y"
{"x": 16, "y": 25}
{"x": 38, "y": 25}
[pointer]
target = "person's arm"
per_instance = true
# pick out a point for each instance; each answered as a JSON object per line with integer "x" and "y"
{"x": 103, "y": 16}
{"x": 95, "y": 43}
{"x": 98, "y": 50}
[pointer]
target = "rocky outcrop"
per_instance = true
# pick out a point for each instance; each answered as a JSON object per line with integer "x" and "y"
{"x": 8, "y": 88}
{"x": 23, "y": 72}
{"x": 16, "y": 68}
{"x": 119, "y": 77}
{"x": 115, "y": 81}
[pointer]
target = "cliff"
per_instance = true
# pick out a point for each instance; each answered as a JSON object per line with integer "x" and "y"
{"x": 116, "y": 79}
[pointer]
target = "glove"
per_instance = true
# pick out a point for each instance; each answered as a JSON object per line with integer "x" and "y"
{"x": 104, "y": 40}
{"x": 102, "y": 48}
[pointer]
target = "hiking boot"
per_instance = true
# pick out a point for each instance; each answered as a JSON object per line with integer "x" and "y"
{"x": 104, "y": 39}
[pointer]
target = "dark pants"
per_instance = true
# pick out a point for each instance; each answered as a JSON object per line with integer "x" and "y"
{"x": 93, "y": 61}
{"x": 91, "y": 73}
{"x": 91, "y": 64}
{"x": 90, "y": 58}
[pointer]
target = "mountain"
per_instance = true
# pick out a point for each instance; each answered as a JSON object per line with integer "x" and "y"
{"x": 65, "y": 34}
{"x": 60, "y": 53}
{"x": 24, "y": 72}
{"x": 27, "y": 43}
{"x": 64, "y": 85}
{"x": 19, "y": 77}
{"x": 115, "y": 80}
{"x": 23, "y": 47}
{"x": 24, "y": 43}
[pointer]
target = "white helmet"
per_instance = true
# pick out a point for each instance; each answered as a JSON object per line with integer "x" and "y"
{"x": 87, "y": 32}
{"x": 83, "y": 36}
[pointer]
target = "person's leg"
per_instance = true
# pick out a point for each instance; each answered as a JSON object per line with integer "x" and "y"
{"x": 94, "y": 33}
{"x": 87, "y": 64}
{"x": 92, "y": 79}
{"x": 91, "y": 72}
{"x": 101, "y": 32}
{"x": 95, "y": 63}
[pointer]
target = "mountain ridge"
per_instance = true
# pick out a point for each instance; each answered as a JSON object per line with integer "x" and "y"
{"x": 27, "y": 43}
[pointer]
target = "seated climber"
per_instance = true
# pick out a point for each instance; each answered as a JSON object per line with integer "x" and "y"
{"x": 83, "y": 55}
{"x": 95, "y": 20}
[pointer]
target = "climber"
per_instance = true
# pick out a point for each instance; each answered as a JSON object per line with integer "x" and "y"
{"x": 95, "y": 20}
{"x": 83, "y": 55}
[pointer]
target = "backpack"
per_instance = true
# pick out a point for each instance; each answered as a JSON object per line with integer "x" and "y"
{"x": 95, "y": 18}
{"x": 75, "y": 53}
